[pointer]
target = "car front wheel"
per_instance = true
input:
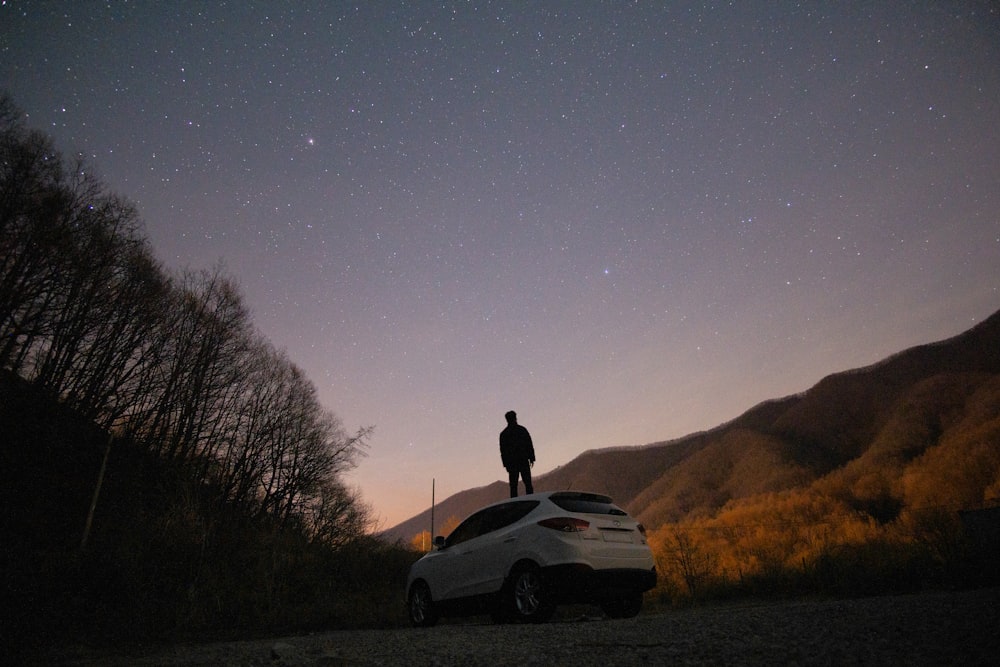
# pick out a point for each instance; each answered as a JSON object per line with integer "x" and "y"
{"x": 421, "y": 606}
{"x": 528, "y": 598}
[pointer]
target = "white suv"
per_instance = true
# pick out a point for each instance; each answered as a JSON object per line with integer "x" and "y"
{"x": 518, "y": 558}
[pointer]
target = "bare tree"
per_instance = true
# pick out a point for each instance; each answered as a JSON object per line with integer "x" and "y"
{"x": 336, "y": 515}
{"x": 688, "y": 558}
{"x": 100, "y": 230}
{"x": 109, "y": 381}
{"x": 204, "y": 338}
{"x": 33, "y": 201}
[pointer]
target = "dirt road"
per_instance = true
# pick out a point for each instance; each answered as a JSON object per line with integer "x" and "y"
{"x": 961, "y": 628}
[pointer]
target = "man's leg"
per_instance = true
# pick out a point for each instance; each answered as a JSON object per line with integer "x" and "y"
{"x": 526, "y": 476}
{"x": 512, "y": 476}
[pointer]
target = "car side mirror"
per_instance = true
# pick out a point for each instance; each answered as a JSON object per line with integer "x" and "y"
{"x": 439, "y": 542}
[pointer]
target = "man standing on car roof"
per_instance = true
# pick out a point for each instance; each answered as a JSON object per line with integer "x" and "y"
{"x": 517, "y": 453}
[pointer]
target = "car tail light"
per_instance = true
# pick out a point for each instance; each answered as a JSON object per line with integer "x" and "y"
{"x": 565, "y": 524}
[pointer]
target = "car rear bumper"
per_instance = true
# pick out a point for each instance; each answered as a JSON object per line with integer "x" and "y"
{"x": 582, "y": 582}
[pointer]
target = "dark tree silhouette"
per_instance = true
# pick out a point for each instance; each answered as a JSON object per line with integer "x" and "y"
{"x": 171, "y": 363}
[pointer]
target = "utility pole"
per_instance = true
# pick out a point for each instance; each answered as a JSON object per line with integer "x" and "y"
{"x": 97, "y": 492}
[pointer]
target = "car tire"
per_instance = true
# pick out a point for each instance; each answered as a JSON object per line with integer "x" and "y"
{"x": 624, "y": 605}
{"x": 420, "y": 605}
{"x": 528, "y": 599}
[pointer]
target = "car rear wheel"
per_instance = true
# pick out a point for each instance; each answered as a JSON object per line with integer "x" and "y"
{"x": 528, "y": 599}
{"x": 624, "y": 605}
{"x": 421, "y": 606}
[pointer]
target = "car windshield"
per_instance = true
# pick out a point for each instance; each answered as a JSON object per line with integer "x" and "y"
{"x": 586, "y": 503}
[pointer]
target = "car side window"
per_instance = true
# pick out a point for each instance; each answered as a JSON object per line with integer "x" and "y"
{"x": 490, "y": 519}
{"x": 512, "y": 512}
{"x": 465, "y": 530}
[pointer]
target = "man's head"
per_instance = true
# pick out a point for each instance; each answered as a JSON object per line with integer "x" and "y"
{"x": 511, "y": 417}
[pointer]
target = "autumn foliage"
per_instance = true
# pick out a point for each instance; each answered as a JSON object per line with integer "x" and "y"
{"x": 887, "y": 520}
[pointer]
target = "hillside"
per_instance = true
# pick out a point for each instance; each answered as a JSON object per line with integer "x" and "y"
{"x": 866, "y": 435}
{"x": 166, "y": 556}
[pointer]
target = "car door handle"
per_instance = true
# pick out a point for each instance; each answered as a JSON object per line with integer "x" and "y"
{"x": 510, "y": 539}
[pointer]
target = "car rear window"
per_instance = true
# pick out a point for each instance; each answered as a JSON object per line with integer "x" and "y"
{"x": 586, "y": 503}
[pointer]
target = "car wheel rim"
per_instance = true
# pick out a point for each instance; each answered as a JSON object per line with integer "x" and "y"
{"x": 527, "y": 593}
{"x": 418, "y": 605}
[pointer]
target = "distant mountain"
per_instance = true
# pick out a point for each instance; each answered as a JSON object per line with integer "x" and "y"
{"x": 863, "y": 433}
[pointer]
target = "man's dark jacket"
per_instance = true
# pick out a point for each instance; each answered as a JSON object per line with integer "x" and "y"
{"x": 515, "y": 447}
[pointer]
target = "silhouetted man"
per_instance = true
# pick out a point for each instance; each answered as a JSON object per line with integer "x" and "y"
{"x": 517, "y": 453}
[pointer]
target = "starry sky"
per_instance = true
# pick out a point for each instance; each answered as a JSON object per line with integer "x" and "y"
{"x": 626, "y": 221}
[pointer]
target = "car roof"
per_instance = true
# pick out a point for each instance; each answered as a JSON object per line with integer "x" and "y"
{"x": 543, "y": 495}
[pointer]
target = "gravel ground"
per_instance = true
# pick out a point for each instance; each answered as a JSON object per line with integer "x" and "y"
{"x": 924, "y": 629}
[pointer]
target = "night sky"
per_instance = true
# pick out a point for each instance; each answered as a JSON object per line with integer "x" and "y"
{"x": 625, "y": 221}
